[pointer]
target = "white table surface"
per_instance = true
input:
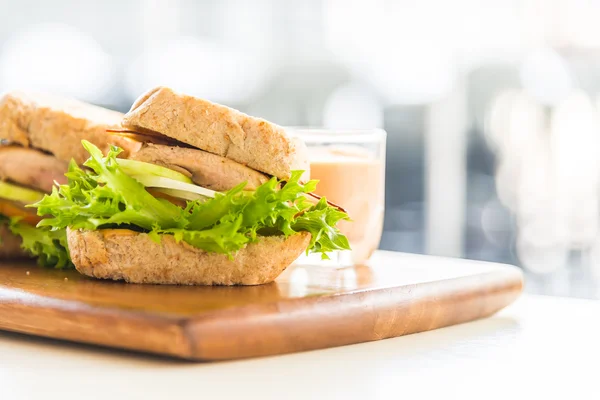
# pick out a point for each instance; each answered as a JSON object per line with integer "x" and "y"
{"x": 538, "y": 346}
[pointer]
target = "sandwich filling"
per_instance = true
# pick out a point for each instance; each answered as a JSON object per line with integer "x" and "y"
{"x": 49, "y": 246}
{"x": 145, "y": 197}
{"x": 33, "y": 181}
{"x": 13, "y": 199}
{"x": 205, "y": 169}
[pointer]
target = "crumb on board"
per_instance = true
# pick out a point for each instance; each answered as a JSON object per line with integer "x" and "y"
{"x": 27, "y": 273}
{"x": 66, "y": 279}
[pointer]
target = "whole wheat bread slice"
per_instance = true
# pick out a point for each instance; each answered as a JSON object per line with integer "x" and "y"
{"x": 220, "y": 130}
{"x": 122, "y": 254}
{"x": 57, "y": 125}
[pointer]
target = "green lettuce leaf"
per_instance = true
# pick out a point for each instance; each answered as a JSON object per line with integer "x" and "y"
{"x": 320, "y": 221}
{"x": 105, "y": 196}
{"x": 49, "y": 246}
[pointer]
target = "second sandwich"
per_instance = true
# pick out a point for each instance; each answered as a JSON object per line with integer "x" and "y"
{"x": 39, "y": 135}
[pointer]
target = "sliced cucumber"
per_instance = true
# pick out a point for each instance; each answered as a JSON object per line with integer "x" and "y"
{"x": 181, "y": 194}
{"x": 18, "y": 193}
{"x": 166, "y": 183}
{"x": 140, "y": 168}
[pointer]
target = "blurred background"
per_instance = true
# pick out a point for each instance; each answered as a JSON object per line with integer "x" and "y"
{"x": 491, "y": 106}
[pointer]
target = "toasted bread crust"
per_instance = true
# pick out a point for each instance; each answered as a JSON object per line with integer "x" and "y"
{"x": 122, "y": 254}
{"x": 220, "y": 130}
{"x": 57, "y": 125}
{"x": 10, "y": 245}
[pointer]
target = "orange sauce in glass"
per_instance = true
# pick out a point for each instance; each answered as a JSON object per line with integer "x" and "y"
{"x": 354, "y": 179}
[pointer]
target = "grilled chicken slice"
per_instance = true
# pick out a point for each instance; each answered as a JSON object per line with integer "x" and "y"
{"x": 205, "y": 169}
{"x": 31, "y": 168}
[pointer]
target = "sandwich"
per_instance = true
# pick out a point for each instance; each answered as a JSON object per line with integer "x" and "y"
{"x": 209, "y": 196}
{"x": 39, "y": 136}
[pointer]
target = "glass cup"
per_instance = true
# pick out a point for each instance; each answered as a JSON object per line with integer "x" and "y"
{"x": 350, "y": 167}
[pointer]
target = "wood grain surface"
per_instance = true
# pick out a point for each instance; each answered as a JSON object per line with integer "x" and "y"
{"x": 308, "y": 307}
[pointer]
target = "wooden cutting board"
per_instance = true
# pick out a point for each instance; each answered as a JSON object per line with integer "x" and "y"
{"x": 306, "y": 308}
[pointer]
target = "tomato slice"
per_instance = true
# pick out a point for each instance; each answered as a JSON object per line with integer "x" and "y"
{"x": 11, "y": 209}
